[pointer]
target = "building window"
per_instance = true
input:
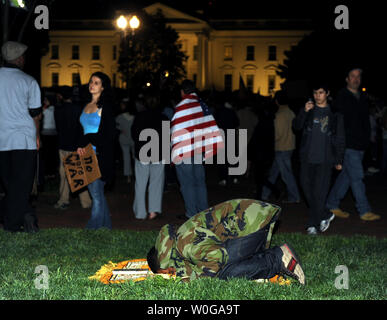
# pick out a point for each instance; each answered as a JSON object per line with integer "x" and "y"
{"x": 227, "y": 52}
{"x": 95, "y": 53}
{"x": 195, "y": 53}
{"x": 54, "y": 79}
{"x": 271, "y": 84}
{"x": 250, "y": 82}
{"x": 114, "y": 52}
{"x": 76, "y": 79}
{"x": 75, "y": 52}
{"x": 55, "y": 51}
{"x": 272, "y": 53}
{"x": 228, "y": 82}
{"x": 114, "y": 80}
{"x": 250, "y": 53}
{"x": 182, "y": 44}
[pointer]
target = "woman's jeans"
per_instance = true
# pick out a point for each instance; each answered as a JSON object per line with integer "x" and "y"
{"x": 100, "y": 215}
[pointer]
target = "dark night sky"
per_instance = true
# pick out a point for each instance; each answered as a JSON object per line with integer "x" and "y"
{"x": 364, "y": 16}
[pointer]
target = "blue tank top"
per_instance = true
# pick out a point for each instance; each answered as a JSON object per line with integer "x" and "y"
{"x": 90, "y": 122}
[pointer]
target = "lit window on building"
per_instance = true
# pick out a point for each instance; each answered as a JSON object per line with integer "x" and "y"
{"x": 114, "y": 80}
{"x": 75, "y": 79}
{"x": 182, "y": 44}
{"x": 75, "y": 52}
{"x": 114, "y": 52}
{"x": 195, "y": 53}
{"x": 271, "y": 84}
{"x": 272, "y": 53}
{"x": 54, "y": 79}
{"x": 55, "y": 51}
{"x": 250, "y": 82}
{"x": 95, "y": 53}
{"x": 228, "y": 82}
{"x": 227, "y": 52}
{"x": 250, "y": 50}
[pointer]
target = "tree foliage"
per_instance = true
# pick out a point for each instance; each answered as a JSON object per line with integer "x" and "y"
{"x": 17, "y": 24}
{"x": 327, "y": 54}
{"x": 149, "y": 53}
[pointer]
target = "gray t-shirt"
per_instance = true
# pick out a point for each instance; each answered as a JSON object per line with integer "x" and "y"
{"x": 317, "y": 151}
{"x": 18, "y": 93}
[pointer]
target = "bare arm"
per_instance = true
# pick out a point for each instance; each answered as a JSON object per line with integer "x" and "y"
{"x": 37, "y": 125}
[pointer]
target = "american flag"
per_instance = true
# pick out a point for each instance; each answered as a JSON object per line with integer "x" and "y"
{"x": 194, "y": 130}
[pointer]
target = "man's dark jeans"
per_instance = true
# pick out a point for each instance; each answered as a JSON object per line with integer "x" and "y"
{"x": 315, "y": 181}
{"x": 351, "y": 176}
{"x": 17, "y": 173}
{"x": 249, "y": 259}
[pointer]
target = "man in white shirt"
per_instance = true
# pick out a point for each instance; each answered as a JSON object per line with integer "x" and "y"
{"x": 20, "y": 112}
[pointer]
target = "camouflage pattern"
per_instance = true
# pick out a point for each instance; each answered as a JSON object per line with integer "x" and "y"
{"x": 196, "y": 248}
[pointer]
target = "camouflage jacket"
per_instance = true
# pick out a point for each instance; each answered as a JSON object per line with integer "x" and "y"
{"x": 197, "y": 248}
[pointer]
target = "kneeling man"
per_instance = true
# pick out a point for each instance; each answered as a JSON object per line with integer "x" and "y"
{"x": 231, "y": 239}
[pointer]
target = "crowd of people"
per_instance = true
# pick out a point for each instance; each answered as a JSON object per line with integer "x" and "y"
{"x": 42, "y": 128}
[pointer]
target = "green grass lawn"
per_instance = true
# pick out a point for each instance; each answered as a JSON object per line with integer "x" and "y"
{"x": 72, "y": 255}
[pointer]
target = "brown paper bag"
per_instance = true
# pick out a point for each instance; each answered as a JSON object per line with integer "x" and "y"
{"x": 81, "y": 171}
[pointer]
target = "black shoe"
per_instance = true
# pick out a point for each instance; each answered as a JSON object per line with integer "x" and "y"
{"x": 30, "y": 223}
{"x": 291, "y": 264}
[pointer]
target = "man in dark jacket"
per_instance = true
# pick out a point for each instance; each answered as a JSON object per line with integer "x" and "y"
{"x": 260, "y": 150}
{"x": 353, "y": 104}
{"x": 226, "y": 118}
{"x": 69, "y": 130}
{"x": 322, "y": 146}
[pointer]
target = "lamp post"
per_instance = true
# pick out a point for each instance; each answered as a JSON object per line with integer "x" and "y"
{"x": 122, "y": 23}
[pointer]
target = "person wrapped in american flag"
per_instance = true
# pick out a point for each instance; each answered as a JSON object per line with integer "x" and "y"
{"x": 195, "y": 137}
{"x": 193, "y": 129}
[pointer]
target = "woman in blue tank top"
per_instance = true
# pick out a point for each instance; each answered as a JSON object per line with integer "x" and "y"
{"x": 98, "y": 125}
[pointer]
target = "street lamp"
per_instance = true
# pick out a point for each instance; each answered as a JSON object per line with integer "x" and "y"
{"x": 122, "y": 23}
{"x": 134, "y": 23}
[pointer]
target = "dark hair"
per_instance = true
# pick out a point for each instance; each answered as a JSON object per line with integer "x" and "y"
{"x": 281, "y": 97}
{"x": 106, "y": 97}
{"x": 355, "y": 67}
{"x": 66, "y": 92}
{"x": 188, "y": 86}
{"x": 152, "y": 100}
{"x": 153, "y": 261}
{"x": 317, "y": 86}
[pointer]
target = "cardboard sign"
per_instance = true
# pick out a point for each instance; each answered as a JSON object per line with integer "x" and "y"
{"x": 81, "y": 171}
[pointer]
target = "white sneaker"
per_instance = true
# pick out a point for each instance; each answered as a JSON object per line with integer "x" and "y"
{"x": 222, "y": 182}
{"x": 311, "y": 231}
{"x": 373, "y": 170}
{"x": 324, "y": 224}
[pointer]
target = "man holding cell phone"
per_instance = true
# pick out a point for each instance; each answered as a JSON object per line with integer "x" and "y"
{"x": 322, "y": 147}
